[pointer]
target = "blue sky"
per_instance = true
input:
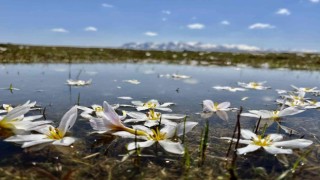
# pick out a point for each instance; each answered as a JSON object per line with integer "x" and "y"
{"x": 268, "y": 24}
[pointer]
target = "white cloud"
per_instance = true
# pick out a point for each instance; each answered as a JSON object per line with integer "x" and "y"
{"x": 283, "y": 11}
{"x": 314, "y": 1}
{"x": 59, "y": 30}
{"x": 107, "y": 5}
{"x": 196, "y": 26}
{"x": 152, "y": 34}
{"x": 225, "y": 22}
{"x": 261, "y": 26}
{"x": 242, "y": 47}
{"x": 91, "y": 28}
{"x": 166, "y": 12}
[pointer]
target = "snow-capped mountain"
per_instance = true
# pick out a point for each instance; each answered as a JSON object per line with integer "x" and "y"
{"x": 190, "y": 46}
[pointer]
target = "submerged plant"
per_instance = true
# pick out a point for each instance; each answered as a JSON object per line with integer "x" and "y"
{"x": 271, "y": 143}
{"x": 48, "y": 133}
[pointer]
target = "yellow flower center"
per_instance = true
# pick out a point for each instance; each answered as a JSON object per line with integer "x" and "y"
{"x": 254, "y": 85}
{"x": 275, "y": 114}
{"x": 55, "y": 133}
{"x": 5, "y": 124}
{"x": 215, "y": 106}
{"x": 8, "y": 108}
{"x": 153, "y": 115}
{"x": 98, "y": 109}
{"x": 157, "y": 135}
{"x": 262, "y": 141}
{"x": 150, "y": 105}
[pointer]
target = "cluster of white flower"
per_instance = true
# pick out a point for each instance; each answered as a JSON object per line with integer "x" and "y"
{"x": 157, "y": 127}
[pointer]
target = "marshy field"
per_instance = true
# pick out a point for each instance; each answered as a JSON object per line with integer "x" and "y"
{"x": 98, "y": 113}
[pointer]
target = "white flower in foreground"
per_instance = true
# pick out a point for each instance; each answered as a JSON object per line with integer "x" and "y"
{"x": 265, "y": 114}
{"x": 271, "y": 143}
{"x": 71, "y": 82}
{"x": 219, "y": 109}
{"x": 163, "y": 137}
{"x": 152, "y": 104}
{"x": 254, "y": 85}
{"x": 94, "y": 111}
{"x": 16, "y": 121}
{"x": 228, "y": 88}
{"x": 49, "y": 133}
{"x": 110, "y": 121}
{"x": 132, "y": 81}
{"x": 152, "y": 118}
{"x": 305, "y": 89}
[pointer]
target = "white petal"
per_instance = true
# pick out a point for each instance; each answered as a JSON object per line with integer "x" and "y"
{"x": 85, "y": 109}
{"x": 22, "y": 138}
{"x": 137, "y": 115}
{"x": 172, "y": 147}
{"x": 111, "y": 115}
{"x": 98, "y": 124}
{"x": 224, "y": 105}
{"x": 33, "y": 143}
{"x": 141, "y": 108}
{"x": 290, "y": 111}
{"x": 142, "y": 128}
{"x": 188, "y": 127}
{"x": 222, "y": 115}
{"x": 164, "y": 109}
{"x": 250, "y": 115}
{"x": 264, "y": 114}
{"x": 207, "y": 106}
{"x": 295, "y": 143}
{"x": 134, "y": 120}
{"x": 31, "y": 118}
{"x": 276, "y": 150}
{"x": 206, "y": 115}
{"x": 169, "y": 131}
{"x": 173, "y": 116}
{"x": 167, "y": 104}
{"x": 248, "y": 148}
{"x": 247, "y": 134}
{"x": 68, "y": 120}
{"x": 132, "y": 146}
{"x": 137, "y": 103}
{"x": 124, "y": 134}
{"x": 275, "y": 137}
{"x": 241, "y": 141}
{"x": 66, "y": 141}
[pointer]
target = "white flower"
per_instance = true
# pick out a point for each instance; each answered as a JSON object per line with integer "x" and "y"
{"x": 152, "y": 104}
{"x": 265, "y": 114}
{"x": 313, "y": 104}
{"x": 71, "y": 82}
{"x": 228, "y": 88}
{"x": 163, "y": 137}
{"x": 298, "y": 96}
{"x": 6, "y": 108}
{"x": 94, "y": 111}
{"x": 152, "y": 118}
{"x": 305, "y": 89}
{"x": 293, "y": 103}
{"x": 219, "y": 109}
{"x": 110, "y": 121}
{"x": 254, "y": 85}
{"x": 271, "y": 143}
{"x": 16, "y": 121}
{"x": 49, "y": 133}
{"x": 132, "y": 81}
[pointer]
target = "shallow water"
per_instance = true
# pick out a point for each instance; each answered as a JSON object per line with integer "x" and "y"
{"x": 46, "y": 84}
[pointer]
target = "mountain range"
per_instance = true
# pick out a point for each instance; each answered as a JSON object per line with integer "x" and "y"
{"x": 191, "y": 46}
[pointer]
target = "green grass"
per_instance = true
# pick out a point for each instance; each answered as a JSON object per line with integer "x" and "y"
{"x": 47, "y": 54}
